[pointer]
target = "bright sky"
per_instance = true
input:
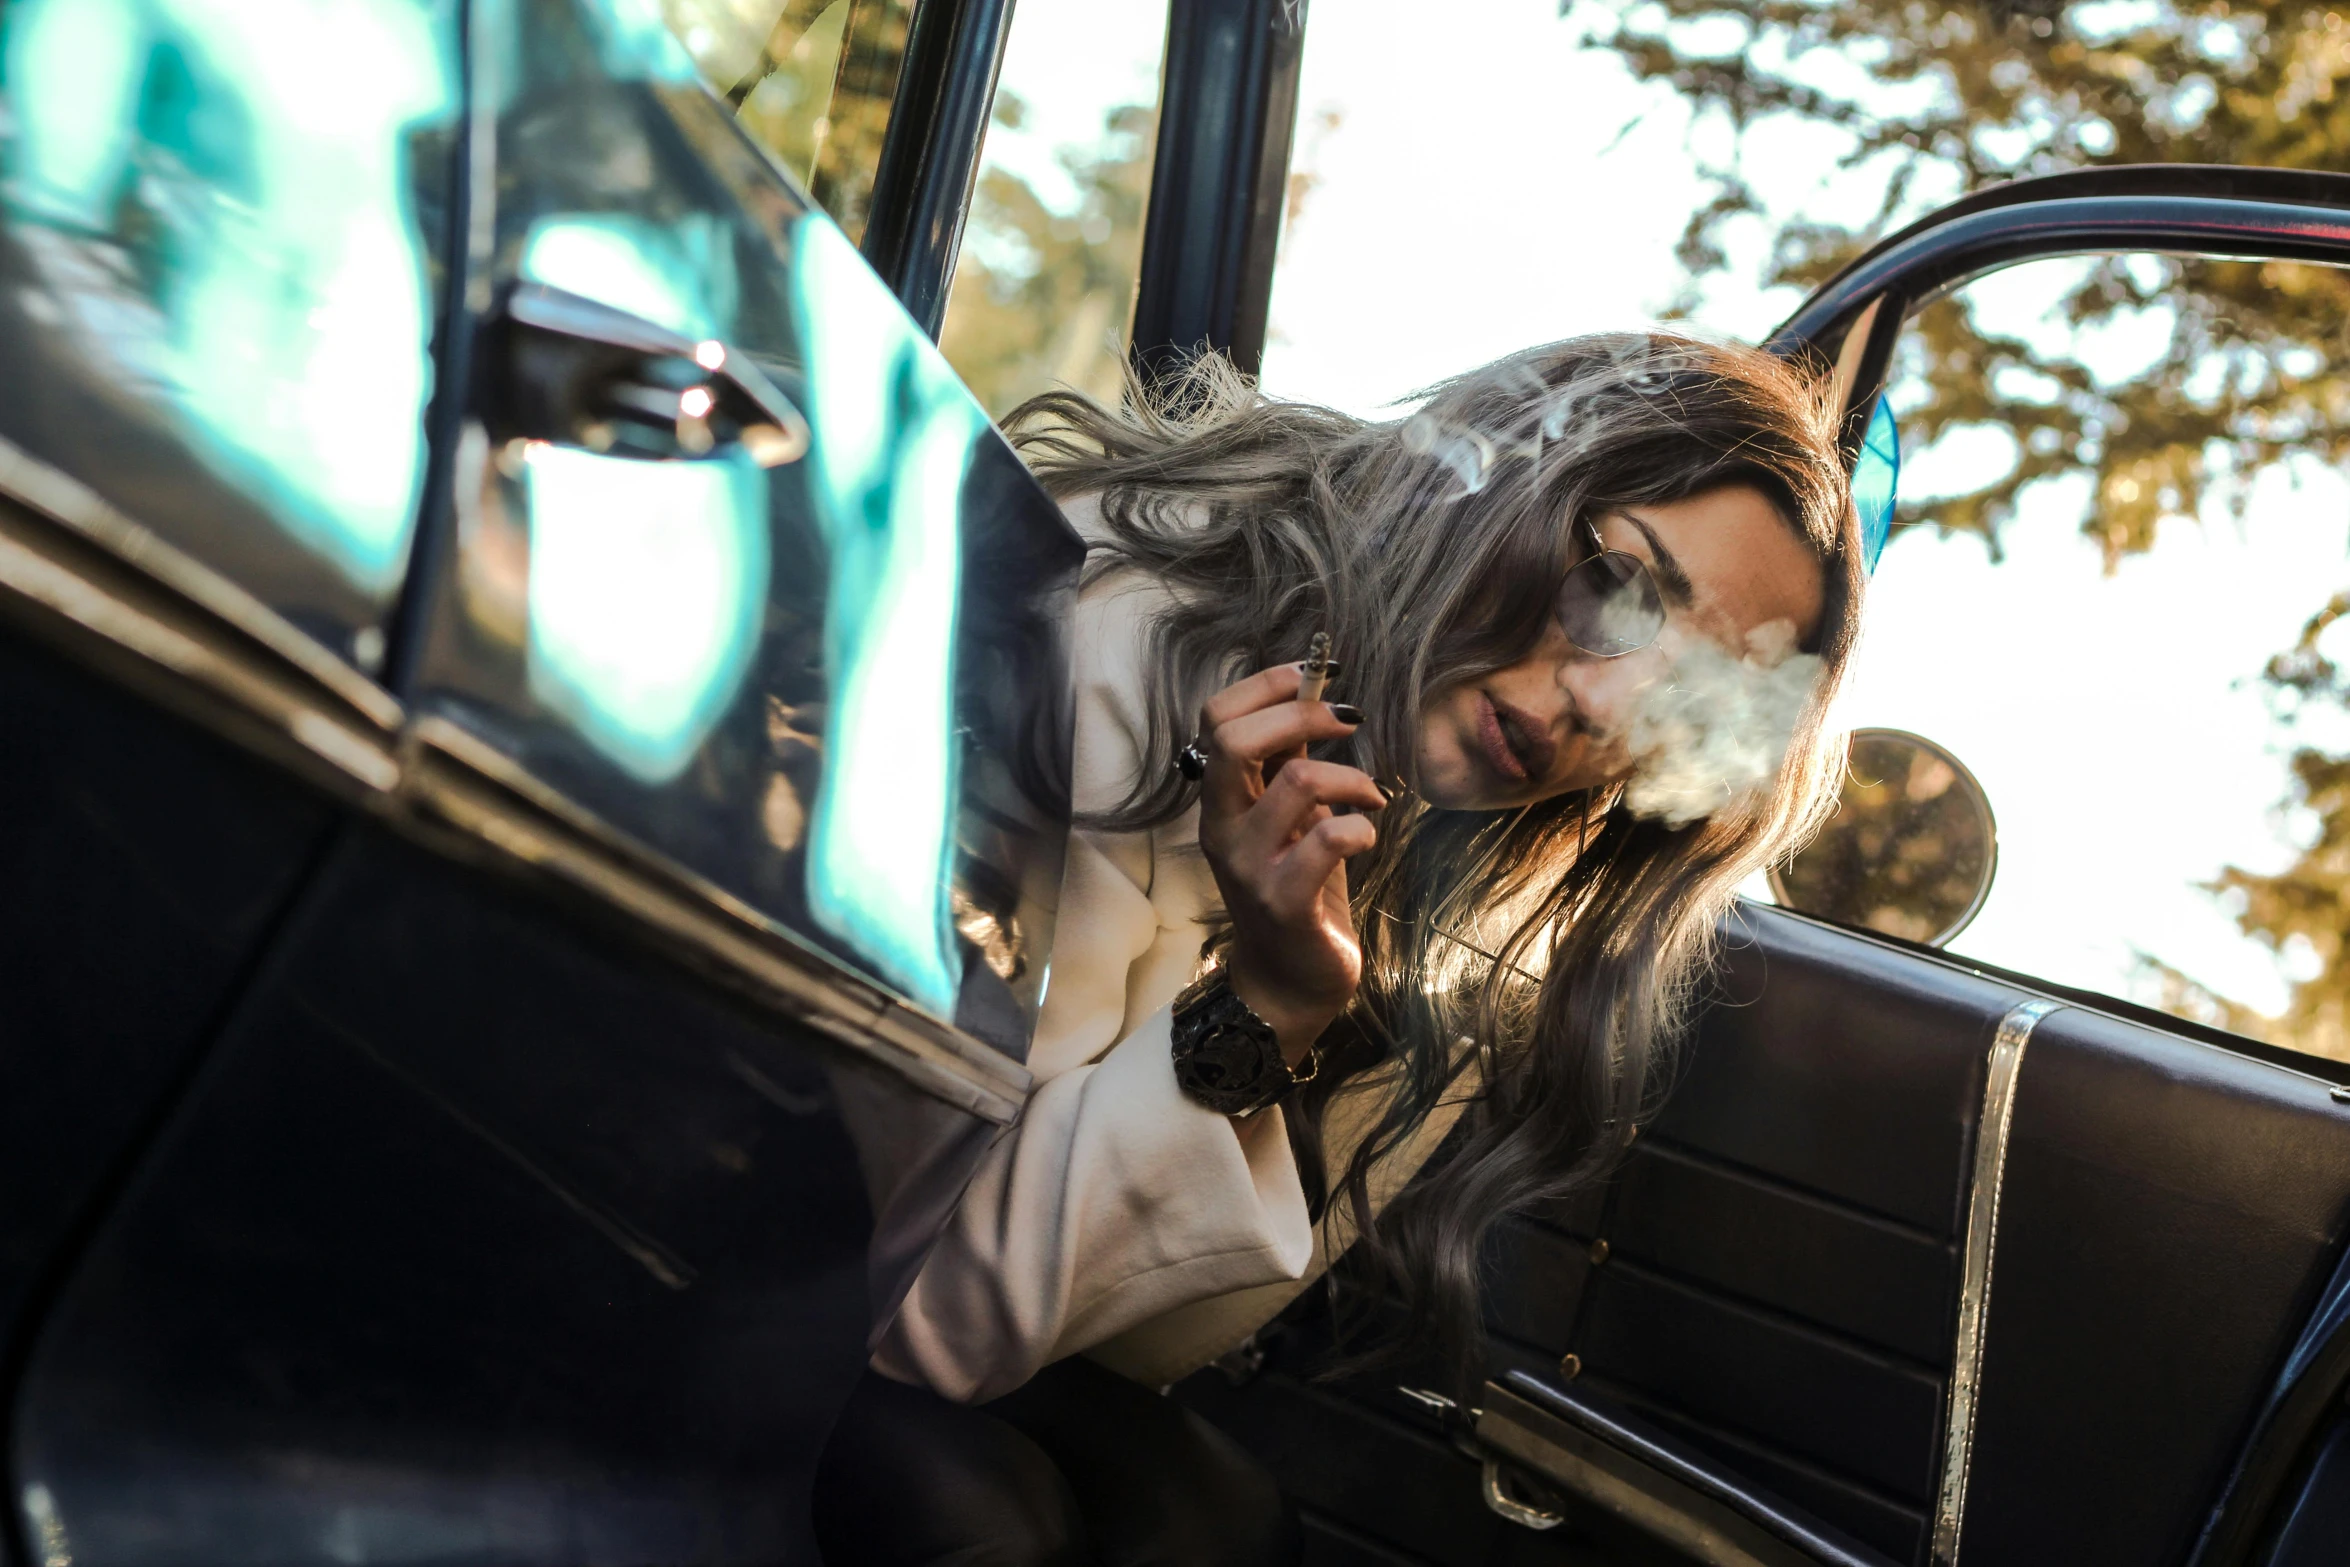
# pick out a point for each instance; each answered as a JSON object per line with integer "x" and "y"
{"x": 1071, "y": 62}
{"x": 1481, "y": 188}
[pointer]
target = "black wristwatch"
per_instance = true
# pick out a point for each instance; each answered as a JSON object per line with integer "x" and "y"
{"x": 1226, "y": 1057}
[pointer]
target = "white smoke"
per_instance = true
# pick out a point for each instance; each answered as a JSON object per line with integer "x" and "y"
{"x": 1467, "y": 452}
{"x": 1547, "y": 413}
{"x": 1715, "y": 727}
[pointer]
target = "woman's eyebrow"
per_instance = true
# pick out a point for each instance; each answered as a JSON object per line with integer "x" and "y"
{"x": 1669, "y": 575}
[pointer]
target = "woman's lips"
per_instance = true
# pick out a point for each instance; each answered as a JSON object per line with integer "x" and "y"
{"x": 1495, "y": 744}
{"x": 1515, "y": 744}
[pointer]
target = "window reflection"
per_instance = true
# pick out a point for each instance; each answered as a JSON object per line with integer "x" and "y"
{"x": 811, "y": 80}
{"x": 231, "y": 230}
{"x": 897, "y": 436}
{"x": 677, "y": 274}
{"x": 646, "y": 581}
{"x": 1043, "y": 292}
{"x": 832, "y": 689}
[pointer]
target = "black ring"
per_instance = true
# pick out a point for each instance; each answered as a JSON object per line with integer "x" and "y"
{"x": 1192, "y": 762}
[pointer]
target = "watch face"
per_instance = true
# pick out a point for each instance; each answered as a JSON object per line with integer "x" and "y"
{"x": 1226, "y": 1058}
{"x": 1230, "y": 1070}
{"x": 1232, "y": 1060}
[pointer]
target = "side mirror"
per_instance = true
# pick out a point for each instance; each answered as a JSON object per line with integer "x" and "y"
{"x": 1911, "y": 850}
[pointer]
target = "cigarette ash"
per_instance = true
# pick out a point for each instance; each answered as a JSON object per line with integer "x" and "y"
{"x": 1714, "y": 728}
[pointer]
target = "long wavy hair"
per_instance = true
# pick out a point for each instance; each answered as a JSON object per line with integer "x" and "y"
{"x": 1558, "y": 947}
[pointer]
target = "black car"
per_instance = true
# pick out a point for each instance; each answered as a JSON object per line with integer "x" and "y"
{"x": 531, "y": 731}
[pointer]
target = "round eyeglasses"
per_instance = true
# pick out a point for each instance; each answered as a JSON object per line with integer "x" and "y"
{"x": 1609, "y": 603}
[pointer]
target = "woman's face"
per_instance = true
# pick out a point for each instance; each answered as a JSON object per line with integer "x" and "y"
{"x": 1553, "y": 722}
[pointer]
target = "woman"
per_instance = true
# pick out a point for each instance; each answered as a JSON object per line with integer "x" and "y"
{"x": 1590, "y": 603}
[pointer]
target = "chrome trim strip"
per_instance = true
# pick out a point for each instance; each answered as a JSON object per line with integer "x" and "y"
{"x": 432, "y": 781}
{"x": 1587, "y": 1471}
{"x": 297, "y": 724}
{"x": 1974, "y": 1297}
{"x": 72, "y": 504}
{"x": 1524, "y": 1514}
{"x": 468, "y": 786}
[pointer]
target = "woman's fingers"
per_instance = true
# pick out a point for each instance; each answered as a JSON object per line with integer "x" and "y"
{"x": 1262, "y": 689}
{"x": 1299, "y": 795}
{"x": 1273, "y": 731}
{"x": 1239, "y": 748}
{"x": 1268, "y": 828}
{"x": 1294, "y": 889}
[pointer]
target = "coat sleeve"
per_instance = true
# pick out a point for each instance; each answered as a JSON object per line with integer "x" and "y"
{"x": 1113, "y": 1198}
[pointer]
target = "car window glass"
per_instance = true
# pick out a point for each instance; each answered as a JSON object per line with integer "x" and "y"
{"x": 1043, "y": 293}
{"x": 803, "y": 671}
{"x": 811, "y": 81}
{"x": 219, "y": 274}
{"x": 2115, "y": 590}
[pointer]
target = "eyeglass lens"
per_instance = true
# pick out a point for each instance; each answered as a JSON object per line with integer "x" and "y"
{"x": 1609, "y": 604}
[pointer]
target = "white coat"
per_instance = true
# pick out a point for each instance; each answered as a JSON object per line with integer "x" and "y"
{"x": 1116, "y": 1217}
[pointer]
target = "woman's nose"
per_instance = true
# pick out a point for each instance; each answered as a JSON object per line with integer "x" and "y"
{"x": 1607, "y": 690}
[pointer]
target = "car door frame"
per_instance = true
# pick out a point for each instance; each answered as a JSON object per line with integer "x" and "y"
{"x": 1219, "y": 183}
{"x": 1853, "y": 321}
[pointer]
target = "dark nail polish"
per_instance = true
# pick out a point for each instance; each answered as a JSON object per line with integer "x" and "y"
{"x": 1347, "y": 712}
{"x": 1390, "y": 792}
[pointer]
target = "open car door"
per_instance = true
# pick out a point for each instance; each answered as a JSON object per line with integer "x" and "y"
{"x": 1924, "y": 1258}
{"x": 537, "y": 746}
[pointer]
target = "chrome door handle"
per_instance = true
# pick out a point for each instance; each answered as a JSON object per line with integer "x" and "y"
{"x": 1524, "y": 1514}
{"x": 563, "y": 368}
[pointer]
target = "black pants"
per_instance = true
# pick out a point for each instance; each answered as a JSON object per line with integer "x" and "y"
{"x": 1080, "y": 1468}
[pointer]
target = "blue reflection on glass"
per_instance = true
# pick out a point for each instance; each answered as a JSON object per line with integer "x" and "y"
{"x": 647, "y": 579}
{"x": 637, "y": 45}
{"x": 1876, "y": 481}
{"x": 676, "y": 275}
{"x": 286, "y": 318}
{"x": 894, "y": 434}
{"x": 646, "y": 585}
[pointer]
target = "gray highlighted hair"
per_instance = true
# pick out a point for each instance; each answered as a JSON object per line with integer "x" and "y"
{"x": 1565, "y": 941}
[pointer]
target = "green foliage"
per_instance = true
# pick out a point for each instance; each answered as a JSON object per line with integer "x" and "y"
{"x": 812, "y": 81}
{"x": 2309, "y": 903}
{"x": 1042, "y": 297}
{"x": 1934, "y": 100}
{"x": 1944, "y": 99}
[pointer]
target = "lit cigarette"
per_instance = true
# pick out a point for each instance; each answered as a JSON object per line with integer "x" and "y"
{"x": 1318, "y": 669}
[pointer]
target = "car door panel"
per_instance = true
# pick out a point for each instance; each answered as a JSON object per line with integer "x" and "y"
{"x": 1879, "y": 1282}
{"x": 1778, "y": 1143}
{"x": 1377, "y": 1480}
{"x": 553, "y": 1257}
{"x": 2170, "y": 1212}
{"x": 1773, "y": 1359}
{"x": 146, "y": 865}
{"x": 1768, "y": 1376}
{"x": 1624, "y": 1466}
{"x": 1741, "y": 1312}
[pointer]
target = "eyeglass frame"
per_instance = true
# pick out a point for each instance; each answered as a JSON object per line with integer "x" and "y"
{"x": 1640, "y": 572}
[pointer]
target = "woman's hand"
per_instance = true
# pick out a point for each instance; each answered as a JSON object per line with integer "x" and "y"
{"x": 1279, "y": 850}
